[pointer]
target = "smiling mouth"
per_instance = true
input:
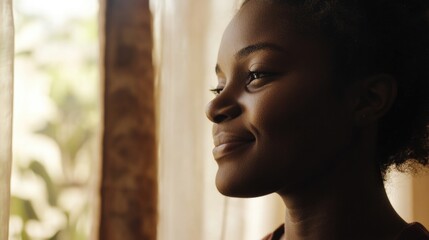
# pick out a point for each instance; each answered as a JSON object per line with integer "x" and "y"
{"x": 226, "y": 145}
{"x": 226, "y": 149}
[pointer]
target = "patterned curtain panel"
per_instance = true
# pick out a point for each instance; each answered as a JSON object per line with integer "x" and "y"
{"x": 6, "y": 86}
{"x": 129, "y": 182}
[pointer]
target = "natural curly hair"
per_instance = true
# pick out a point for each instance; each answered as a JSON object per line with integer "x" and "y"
{"x": 380, "y": 36}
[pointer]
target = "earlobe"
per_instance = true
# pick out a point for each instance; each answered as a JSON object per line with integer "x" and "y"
{"x": 377, "y": 94}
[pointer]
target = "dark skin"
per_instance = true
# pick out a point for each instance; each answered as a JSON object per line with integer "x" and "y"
{"x": 280, "y": 125}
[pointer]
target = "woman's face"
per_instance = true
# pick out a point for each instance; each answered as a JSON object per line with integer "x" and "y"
{"x": 278, "y": 122}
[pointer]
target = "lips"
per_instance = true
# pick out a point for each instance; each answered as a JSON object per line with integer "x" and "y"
{"x": 227, "y": 143}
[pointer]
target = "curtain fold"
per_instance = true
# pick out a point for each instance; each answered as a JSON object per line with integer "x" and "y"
{"x": 129, "y": 183}
{"x": 185, "y": 57}
{"x": 182, "y": 63}
{"x": 6, "y": 95}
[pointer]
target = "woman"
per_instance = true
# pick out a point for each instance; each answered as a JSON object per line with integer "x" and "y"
{"x": 316, "y": 99}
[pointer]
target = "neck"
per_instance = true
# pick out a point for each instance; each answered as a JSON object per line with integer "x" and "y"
{"x": 348, "y": 202}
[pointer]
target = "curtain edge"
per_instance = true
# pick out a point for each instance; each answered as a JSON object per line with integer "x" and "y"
{"x": 6, "y": 114}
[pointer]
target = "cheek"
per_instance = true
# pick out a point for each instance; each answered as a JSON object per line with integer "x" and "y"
{"x": 298, "y": 131}
{"x": 297, "y": 128}
{"x": 286, "y": 111}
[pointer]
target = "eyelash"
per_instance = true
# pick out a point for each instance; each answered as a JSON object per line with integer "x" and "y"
{"x": 217, "y": 90}
{"x": 256, "y": 75}
{"x": 252, "y": 75}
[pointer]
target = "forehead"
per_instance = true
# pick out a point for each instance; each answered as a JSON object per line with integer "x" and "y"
{"x": 257, "y": 22}
{"x": 261, "y": 14}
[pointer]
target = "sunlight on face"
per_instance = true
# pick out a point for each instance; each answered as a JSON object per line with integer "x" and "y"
{"x": 276, "y": 120}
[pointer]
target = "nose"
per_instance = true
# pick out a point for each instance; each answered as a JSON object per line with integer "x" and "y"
{"x": 222, "y": 108}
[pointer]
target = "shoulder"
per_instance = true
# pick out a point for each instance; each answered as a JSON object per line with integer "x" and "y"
{"x": 414, "y": 231}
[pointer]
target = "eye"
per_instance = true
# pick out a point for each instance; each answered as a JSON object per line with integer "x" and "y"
{"x": 257, "y": 75}
{"x": 216, "y": 90}
{"x": 256, "y": 78}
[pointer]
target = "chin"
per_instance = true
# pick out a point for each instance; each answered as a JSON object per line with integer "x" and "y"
{"x": 242, "y": 188}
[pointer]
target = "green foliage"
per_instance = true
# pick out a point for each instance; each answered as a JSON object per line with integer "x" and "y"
{"x": 67, "y": 55}
{"x": 23, "y": 208}
{"x": 52, "y": 189}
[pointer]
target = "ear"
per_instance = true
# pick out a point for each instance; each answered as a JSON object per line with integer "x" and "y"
{"x": 376, "y": 95}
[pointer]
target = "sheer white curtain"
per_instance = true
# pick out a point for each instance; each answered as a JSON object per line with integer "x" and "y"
{"x": 6, "y": 87}
{"x": 188, "y": 33}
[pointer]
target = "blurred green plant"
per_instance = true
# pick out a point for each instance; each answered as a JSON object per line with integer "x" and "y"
{"x": 67, "y": 55}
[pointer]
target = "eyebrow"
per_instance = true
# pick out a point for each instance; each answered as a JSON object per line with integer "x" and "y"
{"x": 246, "y": 51}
